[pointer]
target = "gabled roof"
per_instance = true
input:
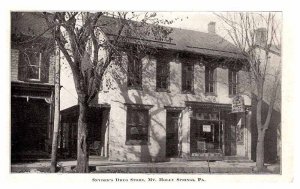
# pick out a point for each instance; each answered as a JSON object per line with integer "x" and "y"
{"x": 203, "y": 43}
{"x": 183, "y": 40}
{"x": 180, "y": 39}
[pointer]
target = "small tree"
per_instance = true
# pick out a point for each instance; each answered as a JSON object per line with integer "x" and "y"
{"x": 90, "y": 43}
{"x": 256, "y": 35}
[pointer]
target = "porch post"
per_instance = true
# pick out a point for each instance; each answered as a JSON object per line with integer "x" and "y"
{"x": 104, "y": 133}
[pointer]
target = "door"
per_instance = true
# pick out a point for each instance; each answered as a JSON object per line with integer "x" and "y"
{"x": 230, "y": 135}
{"x": 172, "y": 134}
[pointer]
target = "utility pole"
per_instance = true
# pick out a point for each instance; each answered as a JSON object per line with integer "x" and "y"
{"x": 56, "y": 111}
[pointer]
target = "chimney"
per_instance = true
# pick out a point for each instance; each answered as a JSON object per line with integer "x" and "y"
{"x": 211, "y": 28}
{"x": 260, "y": 36}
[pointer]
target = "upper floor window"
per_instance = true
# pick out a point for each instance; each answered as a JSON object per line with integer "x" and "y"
{"x": 33, "y": 66}
{"x": 134, "y": 71}
{"x": 162, "y": 75}
{"x": 232, "y": 82}
{"x": 187, "y": 77}
{"x": 209, "y": 80}
{"x": 137, "y": 129}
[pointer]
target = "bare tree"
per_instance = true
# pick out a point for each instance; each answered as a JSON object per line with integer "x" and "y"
{"x": 90, "y": 43}
{"x": 257, "y": 35}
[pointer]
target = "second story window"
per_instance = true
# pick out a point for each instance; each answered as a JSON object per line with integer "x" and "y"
{"x": 162, "y": 75}
{"x": 209, "y": 80}
{"x": 134, "y": 71}
{"x": 187, "y": 77}
{"x": 33, "y": 66}
{"x": 232, "y": 82}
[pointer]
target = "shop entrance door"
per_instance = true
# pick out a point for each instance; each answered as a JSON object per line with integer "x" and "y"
{"x": 172, "y": 134}
{"x": 230, "y": 136}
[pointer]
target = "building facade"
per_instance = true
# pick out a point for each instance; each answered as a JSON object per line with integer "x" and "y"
{"x": 32, "y": 88}
{"x": 177, "y": 102}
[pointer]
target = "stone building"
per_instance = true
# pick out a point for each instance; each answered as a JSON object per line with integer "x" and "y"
{"x": 174, "y": 103}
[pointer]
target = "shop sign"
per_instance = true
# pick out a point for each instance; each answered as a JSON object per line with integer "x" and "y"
{"x": 207, "y": 128}
{"x": 238, "y": 104}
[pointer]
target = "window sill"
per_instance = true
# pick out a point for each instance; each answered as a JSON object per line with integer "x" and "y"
{"x": 188, "y": 92}
{"x": 137, "y": 142}
{"x": 232, "y": 95}
{"x": 211, "y": 94}
{"x": 163, "y": 90}
{"x": 33, "y": 81}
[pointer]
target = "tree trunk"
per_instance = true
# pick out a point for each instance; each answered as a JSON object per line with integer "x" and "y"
{"x": 82, "y": 151}
{"x": 56, "y": 123}
{"x": 260, "y": 131}
{"x": 260, "y": 151}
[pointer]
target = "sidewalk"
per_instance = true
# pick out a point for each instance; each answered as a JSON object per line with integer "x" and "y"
{"x": 105, "y": 166}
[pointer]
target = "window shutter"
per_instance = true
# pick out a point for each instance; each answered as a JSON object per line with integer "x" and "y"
{"x": 168, "y": 75}
{"x": 206, "y": 79}
{"x": 130, "y": 70}
{"x": 212, "y": 81}
{"x": 22, "y": 67}
{"x": 45, "y": 67}
{"x": 184, "y": 84}
{"x": 229, "y": 82}
{"x": 140, "y": 71}
{"x": 192, "y": 77}
{"x": 162, "y": 74}
{"x": 237, "y": 81}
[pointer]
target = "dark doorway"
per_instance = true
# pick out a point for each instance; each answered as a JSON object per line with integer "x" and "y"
{"x": 230, "y": 135}
{"x": 172, "y": 134}
{"x": 98, "y": 120}
{"x": 29, "y": 127}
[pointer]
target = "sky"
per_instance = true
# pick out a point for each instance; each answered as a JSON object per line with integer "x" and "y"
{"x": 186, "y": 20}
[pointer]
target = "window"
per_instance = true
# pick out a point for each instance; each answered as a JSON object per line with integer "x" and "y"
{"x": 137, "y": 124}
{"x": 33, "y": 65}
{"x": 187, "y": 77}
{"x": 209, "y": 80}
{"x": 134, "y": 70}
{"x": 30, "y": 65}
{"x": 232, "y": 82}
{"x": 162, "y": 75}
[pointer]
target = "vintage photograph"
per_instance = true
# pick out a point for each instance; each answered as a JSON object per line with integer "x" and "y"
{"x": 145, "y": 92}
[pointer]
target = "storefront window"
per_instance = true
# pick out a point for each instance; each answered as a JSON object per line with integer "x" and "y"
{"x": 206, "y": 136}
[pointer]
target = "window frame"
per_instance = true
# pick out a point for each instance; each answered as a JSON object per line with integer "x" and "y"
{"x": 132, "y": 111}
{"x": 134, "y": 81}
{"x": 165, "y": 65}
{"x": 232, "y": 85}
{"x": 210, "y": 80}
{"x": 184, "y": 78}
{"x": 28, "y": 65}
